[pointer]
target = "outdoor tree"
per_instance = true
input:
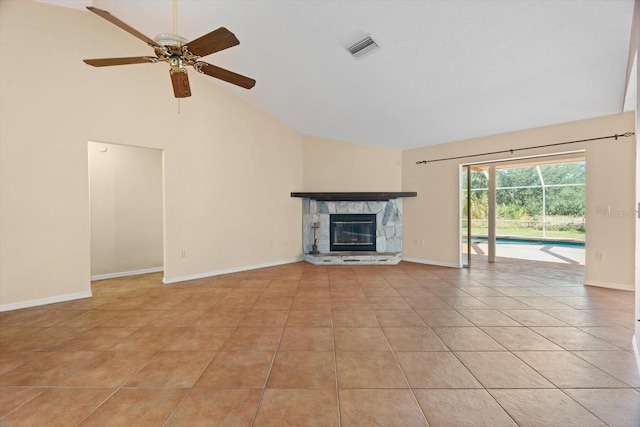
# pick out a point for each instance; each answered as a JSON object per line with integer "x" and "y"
{"x": 521, "y": 193}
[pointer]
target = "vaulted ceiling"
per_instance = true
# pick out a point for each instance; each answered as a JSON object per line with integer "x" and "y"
{"x": 445, "y": 70}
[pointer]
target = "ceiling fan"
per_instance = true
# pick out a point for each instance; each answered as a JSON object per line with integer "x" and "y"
{"x": 178, "y": 53}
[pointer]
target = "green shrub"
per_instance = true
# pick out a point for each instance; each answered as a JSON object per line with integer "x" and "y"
{"x": 512, "y": 212}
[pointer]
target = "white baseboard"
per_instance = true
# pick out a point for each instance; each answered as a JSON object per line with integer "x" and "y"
{"x": 636, "y": 350}
{"x": 170, "y": 280}
{"x": 126, "y": 273}
{"x": 45, "y": 301}
{"x": 431, "y": 262}
{"x": 618, "y": 286}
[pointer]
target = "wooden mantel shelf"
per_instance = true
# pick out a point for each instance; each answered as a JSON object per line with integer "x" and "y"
{"x": 356, "y": 196}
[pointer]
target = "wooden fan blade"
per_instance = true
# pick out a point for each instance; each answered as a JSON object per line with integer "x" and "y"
{"x": 226, "y": 75}
{"x": 109, "y": 17}
{"x": 180, "y": 82}
{"x": 215, "y": 41}
{"x": 106, "y": 62}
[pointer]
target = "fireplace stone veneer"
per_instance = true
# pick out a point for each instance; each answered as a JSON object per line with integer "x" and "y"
{"x": 388, "y": 215}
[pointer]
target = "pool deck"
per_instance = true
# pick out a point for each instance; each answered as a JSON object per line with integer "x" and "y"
{"x": 534, "y": 252}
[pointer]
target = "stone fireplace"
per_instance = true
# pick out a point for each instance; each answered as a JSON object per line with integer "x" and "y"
{"x": 363, "y": 228}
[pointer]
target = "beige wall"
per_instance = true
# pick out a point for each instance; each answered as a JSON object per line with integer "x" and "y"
{"x": 229, "y": 168}
{"x": 331, "y": 165}
{"x": 125, "y": 187}
{"x": 434, "y": 214}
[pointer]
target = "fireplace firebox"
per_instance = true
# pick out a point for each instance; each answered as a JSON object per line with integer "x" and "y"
{"x": 352, "y": 232}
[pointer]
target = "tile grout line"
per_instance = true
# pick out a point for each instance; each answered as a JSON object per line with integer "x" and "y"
{"x": 572, "y": 352}
{"x": 178, "y": 406}
{"x": 44, "y": 388}
{"x": 556, "y": 387}
{"x": 474, "y": 375}
{"x": 335, "y": 358}
{"x": 581, "y": 405}
{"x": 273, "y": 360}
{"x": 139, "y": 370}
{"x": 395, "y": 357}
{"x": 205, "y": 368}
{"x": 98, "y": 406}
{"x": 193, "y": 386}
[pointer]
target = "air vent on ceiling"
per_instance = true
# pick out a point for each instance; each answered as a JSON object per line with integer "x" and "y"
{"x": 363, "y": 47}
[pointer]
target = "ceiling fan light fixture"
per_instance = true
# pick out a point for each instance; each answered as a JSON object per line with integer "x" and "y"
{"x": 170, "y": 40}
{"x": 363, "y": 47}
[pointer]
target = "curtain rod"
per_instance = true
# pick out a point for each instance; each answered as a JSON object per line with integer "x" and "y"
{"x": 513, "y": 150}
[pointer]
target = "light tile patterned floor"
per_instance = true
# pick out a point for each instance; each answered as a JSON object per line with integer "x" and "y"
{"x": 513, "y": 343}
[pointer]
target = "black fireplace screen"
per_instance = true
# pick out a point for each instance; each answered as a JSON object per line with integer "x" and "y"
{"x": 352, "y": 232}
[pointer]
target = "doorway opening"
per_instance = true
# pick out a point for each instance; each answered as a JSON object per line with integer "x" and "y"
{"x": 126, "y": 207}
{"x": 532, "y": 209}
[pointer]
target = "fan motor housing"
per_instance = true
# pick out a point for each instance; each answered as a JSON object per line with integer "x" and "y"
{"x": 169, "y": 39}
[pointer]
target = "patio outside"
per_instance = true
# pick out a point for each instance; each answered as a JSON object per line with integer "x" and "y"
{"x": 540, "y": 211}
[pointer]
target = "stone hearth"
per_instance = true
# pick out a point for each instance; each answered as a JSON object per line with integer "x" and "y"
{"x": 354, "y": 258}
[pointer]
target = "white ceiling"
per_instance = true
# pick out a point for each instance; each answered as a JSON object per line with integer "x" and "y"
{"x": 445, "y": 71}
